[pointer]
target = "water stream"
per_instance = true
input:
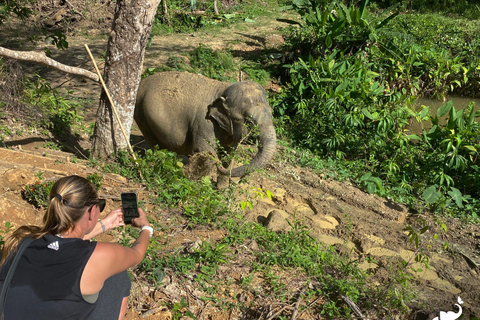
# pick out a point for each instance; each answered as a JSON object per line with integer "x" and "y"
{"x": 458, "y": 102}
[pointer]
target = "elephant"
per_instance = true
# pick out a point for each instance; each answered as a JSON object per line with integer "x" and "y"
{"x": 189, "y": 113}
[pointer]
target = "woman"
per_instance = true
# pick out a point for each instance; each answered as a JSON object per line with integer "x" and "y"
{"x": 62, "y": 274}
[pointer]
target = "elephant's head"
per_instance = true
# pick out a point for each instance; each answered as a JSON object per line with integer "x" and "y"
{"x": 240, "y": 103}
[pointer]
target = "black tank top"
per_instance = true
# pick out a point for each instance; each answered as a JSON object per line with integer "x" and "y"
{"x": 46, "y": 284}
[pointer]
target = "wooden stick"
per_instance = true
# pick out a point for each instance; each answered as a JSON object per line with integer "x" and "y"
{"x": 353, "y": 306}
{"x": 297, "y": 304}
{"x": 111, "y": 103}
{"x": 278, "y": 312}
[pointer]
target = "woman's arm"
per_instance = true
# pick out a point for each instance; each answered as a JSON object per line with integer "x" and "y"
{"x": 112, "y": 220}
{"x": 109, "y": 259}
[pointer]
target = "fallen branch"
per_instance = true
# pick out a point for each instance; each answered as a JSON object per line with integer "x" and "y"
{"x": 309, "y": 305}
{"x": 297, "y": 304}
{"x": 40, "y": 57}
{"x": 279, "y": 311}
{"x": 353, "y": 306}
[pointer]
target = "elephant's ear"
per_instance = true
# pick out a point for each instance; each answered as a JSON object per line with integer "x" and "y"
{"x": 219, "y": 112}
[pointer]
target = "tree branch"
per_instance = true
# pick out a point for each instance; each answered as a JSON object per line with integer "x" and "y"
{"x": 41, "y": 58}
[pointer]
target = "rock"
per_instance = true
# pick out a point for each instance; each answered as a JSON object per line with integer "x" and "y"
{"x": 423, "y": 272}
{"x": 253, "y": 246}
{"x": 324, "y": 222}
{"x": 444, "y": 285}
{"x": 381, "y": 252}
{"x": 304, "y": 209}
{"x": 279, "y": 194}
{"x": 330, "y": 240}
{"x": 368, "y": 241}
{"x": 16, "y": 179}
{"x": 367, "y": 266}
{"x": 406, "y": 255}
{"x": 276, "y": 220}
{"x": 266, "y": 200}
{"x": 375, "y": 239}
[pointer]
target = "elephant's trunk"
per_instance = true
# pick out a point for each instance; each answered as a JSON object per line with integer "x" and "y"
{"x": 267, "y": 143}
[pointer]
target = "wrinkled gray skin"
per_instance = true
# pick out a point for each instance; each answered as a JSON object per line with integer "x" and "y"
{"x": 186, "y": 113}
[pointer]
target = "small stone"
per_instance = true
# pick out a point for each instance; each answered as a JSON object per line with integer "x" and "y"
{"x": 276, "y": 221}
{"x": 381, "y": 252}
{"x": 305, "y": 210}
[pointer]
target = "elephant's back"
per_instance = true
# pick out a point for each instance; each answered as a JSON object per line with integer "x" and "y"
{"x": 178, "y": 87}
{"x": 172, "y": 105}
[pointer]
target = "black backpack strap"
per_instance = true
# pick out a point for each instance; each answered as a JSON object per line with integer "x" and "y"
{"x": 6, "y": 284}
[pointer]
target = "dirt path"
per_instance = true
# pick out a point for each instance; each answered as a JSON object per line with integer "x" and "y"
{"x": 368, "y": 228}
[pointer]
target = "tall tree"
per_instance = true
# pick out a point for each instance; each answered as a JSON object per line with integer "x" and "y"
{"x": 123, "y": 67}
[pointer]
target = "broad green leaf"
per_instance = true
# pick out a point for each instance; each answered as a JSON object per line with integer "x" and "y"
{"x": 413, "y": 137}
{"x": 445, "y": 108}
{"x": 343, "y": 67}
{"x": 328, "y": 41}
{"x": 456, "y": 196}
{"x": 345, "y": 13}
{"x": 362, "y": 9}
{"x": 366, "y": 176}
{"x": 471, "y": 148}
{"x": 367, "y": 114}
{"x": 424, "y": 112}
{"x": 471, "y": 117}
{"x": 431, "y": 194}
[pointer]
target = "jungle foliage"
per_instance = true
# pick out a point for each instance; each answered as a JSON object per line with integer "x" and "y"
{"x": 350, "y": 96}
{"x": 350, "y": 86}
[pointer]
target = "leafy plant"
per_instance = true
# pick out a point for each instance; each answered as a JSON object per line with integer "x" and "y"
{"x": 20, "y": 8}
{"x": 179, "y": 310}
{"x": 258, "y": 193}
{"x": 354, "y": 104}
{"x": 38, "y": 193}
{"x": 213, "y": 64}
{"x": 8, "y": 228}
{"x": 61, "y": 113}
{"x": 96, "y": 179}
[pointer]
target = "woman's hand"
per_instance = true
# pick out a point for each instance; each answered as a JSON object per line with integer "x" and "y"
{"x": 141, "y": 221}
{"x": 113, "y": 219}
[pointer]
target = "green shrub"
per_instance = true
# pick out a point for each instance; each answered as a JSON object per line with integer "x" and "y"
{"x": 213, "y": 64}
{"x": 162, "y": 174}
{"x": 353, "y": 102}
{"x": 38, "y": 193}
{"x": 465, "y": 8}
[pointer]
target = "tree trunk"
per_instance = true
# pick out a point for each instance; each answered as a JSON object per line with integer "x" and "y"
{"x": 123, "y": 68}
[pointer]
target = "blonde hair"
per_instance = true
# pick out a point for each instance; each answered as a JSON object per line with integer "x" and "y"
{"x": 69, "y": 198}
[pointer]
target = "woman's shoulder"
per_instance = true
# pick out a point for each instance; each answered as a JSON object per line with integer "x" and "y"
{"x": 66, "y": 245}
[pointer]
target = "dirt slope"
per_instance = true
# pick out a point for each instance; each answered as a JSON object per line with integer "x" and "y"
{"x": 339, "y": 214}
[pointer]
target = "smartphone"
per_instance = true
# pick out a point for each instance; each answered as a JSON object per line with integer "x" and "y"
{"x": 129, "y": 206}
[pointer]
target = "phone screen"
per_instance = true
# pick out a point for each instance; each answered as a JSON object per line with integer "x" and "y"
{"x": 129, "y": 206}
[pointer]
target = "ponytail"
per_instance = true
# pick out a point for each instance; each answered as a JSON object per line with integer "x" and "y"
{"x": 69, "y": 199}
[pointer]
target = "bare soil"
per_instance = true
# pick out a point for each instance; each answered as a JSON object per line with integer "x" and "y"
{"x": 363, "y": 226}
